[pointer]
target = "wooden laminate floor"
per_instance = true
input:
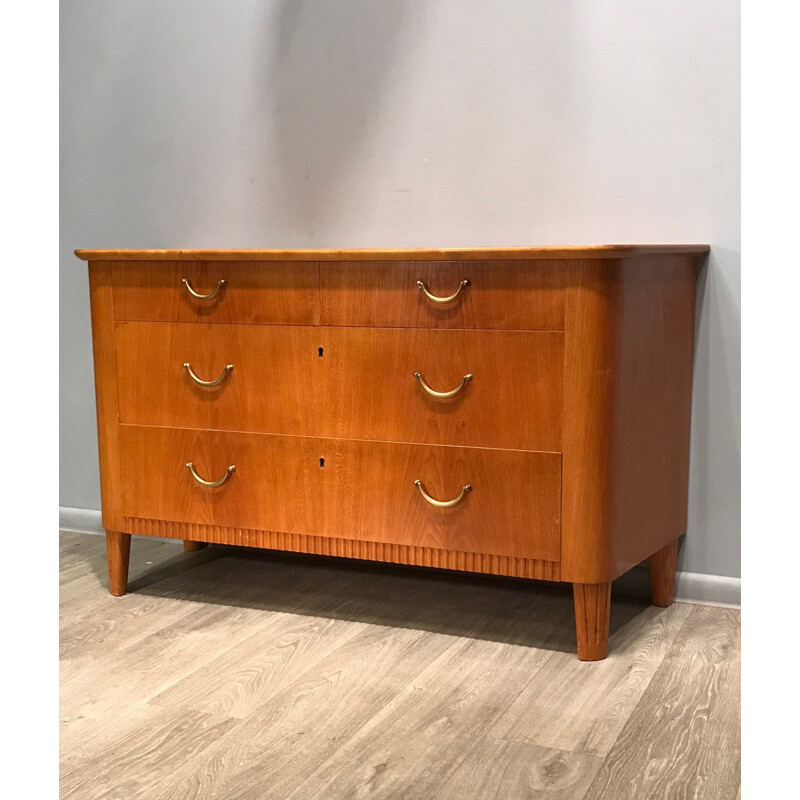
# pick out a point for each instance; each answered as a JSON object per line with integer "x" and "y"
{"x": 247, "y": 675}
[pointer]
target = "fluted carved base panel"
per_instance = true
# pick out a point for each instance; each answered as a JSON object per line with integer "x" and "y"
{"x": 350, "y": 548}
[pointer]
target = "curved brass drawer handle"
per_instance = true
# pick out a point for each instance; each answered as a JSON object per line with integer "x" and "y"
{"x": 442, "y": 300}
{"x": 443, "y": 503}
{"x": 213, "y": 484}
{"x": 200, "y": 382}
{"x": 443, "y": 395}
{"x": 210, "y": 296}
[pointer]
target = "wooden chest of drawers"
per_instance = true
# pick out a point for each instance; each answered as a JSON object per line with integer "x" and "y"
{"x": 519, "y": 412}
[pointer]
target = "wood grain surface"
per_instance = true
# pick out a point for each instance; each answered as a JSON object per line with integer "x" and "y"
{"x": 277, "y": 484}
{"x": 683, "y": 738}
{"x": 592, "y": 617}
{"x": 663, "y": 566}
{"x": 145, "y": 755}
{"x": 499, "y": 770}
{"x": 444, "y": 710}
{"x": 582, "y": 708}
{"x": 501, "y": 294}
{"x": 513, "y": 400}
{"x": 118, "y": 550}
{"x": 412, "y": 704}
{"x": 615, "y": 251}
{"x": 513, "y": 509}
{"x": 345, "y": 382}
{"x": 276, "y": 293}
{"x": 364, "y": 491}
{"x": 105, "y": 387}
{"x": 417, "y": 555}
{"x": 275, "y": 386}
{"x": 627, "y": 404}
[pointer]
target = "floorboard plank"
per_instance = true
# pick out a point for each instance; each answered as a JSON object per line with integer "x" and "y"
{"x": 161, "y": 741}
{"x": 434, "y": 721}
{"x": 582, "y": 706}
{"x": 107, "y": 624}
{"x": 287, "y": 738}
{"x": 682, "y": 741}
{"x": 501, "y": 770}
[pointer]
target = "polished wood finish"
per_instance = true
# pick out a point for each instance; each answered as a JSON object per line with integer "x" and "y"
{"x": 627, "y": 407}
{"x": 513, "y": 295}
{"x": 106, "y": 393}
{"x": 573, "y": 430}
{"x": 364, "y": 492}
{"x": 277, "y": 484}
{"x": 663, "y": 566}
{"x": 513, "y": 510}
{"x": 415, "y": 555}
{"x": 653, "y": 407}
{"x": 118, "y": 551}
{"x": 192, "y": 547}
{"x": 275, "y": 293}
{"x": 362, "y": 386}
{"x": 592, "y": 614}
{"x": 614, "y": 251}
{"x": 513, "y": 401}
{"x": 275, "y": 385}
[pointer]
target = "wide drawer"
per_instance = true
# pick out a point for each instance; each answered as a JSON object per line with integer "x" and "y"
{"x": 503, "y": 295}
{"x": 274, "y": 386}
{"x": 347, "y": 489}
{"x": 258, "y": 292}
{"x": 382, "y": 384}
{"x": 352, "y": 383}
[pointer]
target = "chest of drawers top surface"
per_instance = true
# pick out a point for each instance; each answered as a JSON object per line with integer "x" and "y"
{"x": 402, "y": 254}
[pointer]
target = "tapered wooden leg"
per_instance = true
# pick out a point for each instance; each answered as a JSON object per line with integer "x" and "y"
{"x": 118, "y": 550}
{"x": 592, "y": 614}
{"x": 663, "y": 566}
{"x": 189, "y": 546}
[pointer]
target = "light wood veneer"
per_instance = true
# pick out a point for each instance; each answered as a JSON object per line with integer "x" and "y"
{"x": 345, "y": 382}
{"x": 278, "y": 293}
{"x": 364, "y": 491}
{"x": 511, "y": 295}
{"x": 274, "y": 386}
{"x": 513, "y": 400}
{"x": 572, "y": 433}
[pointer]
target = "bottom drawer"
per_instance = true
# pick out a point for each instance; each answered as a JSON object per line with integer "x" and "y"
{"x": 347, "y": 489}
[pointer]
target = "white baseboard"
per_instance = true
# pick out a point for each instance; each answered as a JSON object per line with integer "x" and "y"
{"x": 80, "y": 520}
{"x": 690, "y": 587}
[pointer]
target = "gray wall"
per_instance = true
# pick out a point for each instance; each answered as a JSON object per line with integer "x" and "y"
{"x": 314, "y": 123}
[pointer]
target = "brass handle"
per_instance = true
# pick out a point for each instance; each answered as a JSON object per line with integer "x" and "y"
{"x": 443, "y": 503}
{"x": 216, "y": 382}
{"x": 213, "y": 484}
{"x": 442, "y": 300}
{"x": 198, "y": 296}
{"x": 443, "y": 395}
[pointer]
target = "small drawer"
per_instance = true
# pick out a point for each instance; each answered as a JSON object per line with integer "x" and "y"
{"x": 276, "y": 484}
{"x": 512, "y": 506}
{"x": 506, "y": 386}
{"x": 501, "y": 295}
{"x": 352, "y": 490}
{"x": 258, "y": 292}
{"x": 266, "y": 378}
